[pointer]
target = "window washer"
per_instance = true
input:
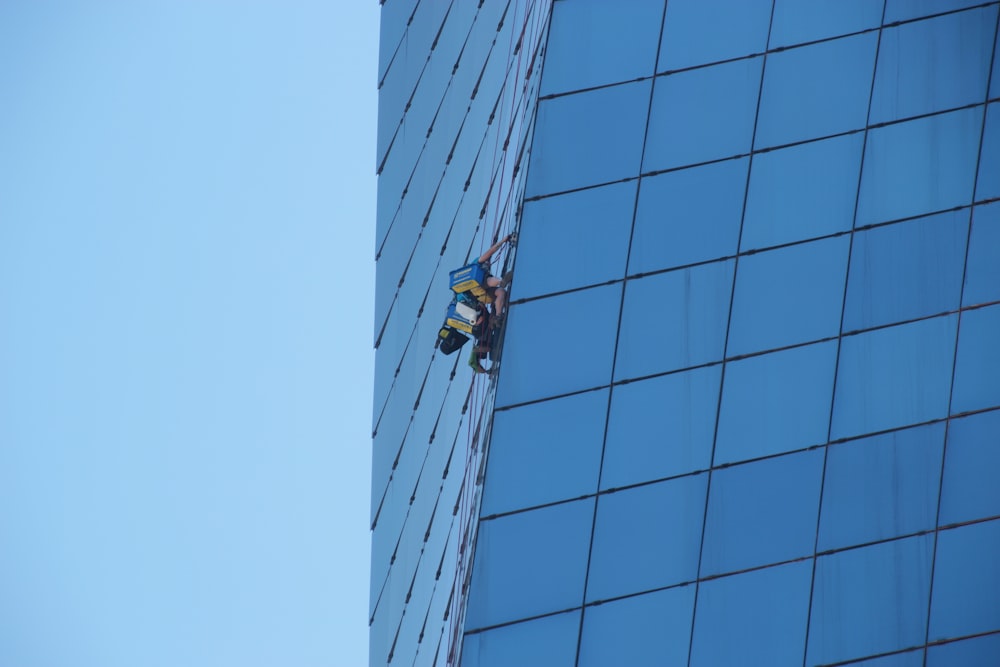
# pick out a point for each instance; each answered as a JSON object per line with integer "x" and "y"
{"x": 495, "y": 287}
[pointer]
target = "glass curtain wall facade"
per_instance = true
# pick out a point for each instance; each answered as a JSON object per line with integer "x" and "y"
{"x": 749, "y": 405}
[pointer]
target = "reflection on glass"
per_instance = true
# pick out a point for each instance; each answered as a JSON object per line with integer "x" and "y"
{"x": 688, "y": 216}
{"x": 906, "y": 270}
{"x": 894, "y": 377}
{"x": 788, "y": 203}
{"x": 796, "y": 22}
{"x": 655, "y": 530}
{"x": 775, "y": 402}
{"x": 881, "y": 487}
{"x": 585, "y": 46}
{"x": 761, "y": 615}
{"x": 702, "y": 115}
{"x": 988, "y": 184}
{"x": 661, "y": 427}
{"x": 789, "y": 295}
{"x": 510, "y": 582}
{"x": 920, "y": 166}
{"x": 933, "y": 65}
{"x": 646, "y": 630}
{"x": 575, "y": 239}
{"x": 588, "y": 138}
{"x": 704, "y": 31}
{"x": 674, "y": 320}
{"x": 762, "y": 512}
{"x": 901, "y": 10}
{"x": 977, "y": 382}
{"x": 908, "y": 659}
{"x": 544, "y": 452}
{"x": 559, "y": 344}
{"x": 870, "y": 600}
{"x": 966, "y": 581}
{"x": 969, "y": 490}
{"x": 982, "y": 268}
{"x": 816, "y": 90}
{"x": 543, "y": 641}
{"x": 976, "y": 652}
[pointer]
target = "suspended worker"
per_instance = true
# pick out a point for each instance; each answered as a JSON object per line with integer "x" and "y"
{"x": 495, "y": 286}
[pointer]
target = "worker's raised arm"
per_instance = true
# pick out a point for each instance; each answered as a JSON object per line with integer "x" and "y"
{"x": 485, "y": 257}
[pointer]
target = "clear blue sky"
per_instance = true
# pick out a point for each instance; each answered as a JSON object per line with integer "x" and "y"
{"x": 186, "y": 280}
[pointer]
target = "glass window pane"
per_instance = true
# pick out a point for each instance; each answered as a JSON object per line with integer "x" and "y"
{"x": 881, "y": 487}
{"x": 756, "y": 618}
{"x": 817, "y": 90}
{"x": 907, "y": 270}
{"x": 894, "y": 377}
{"x": 585, "y": 47}
{"x": 688, "y": 216}
{"x": 977, "y": 382}
{"x": 702, "y": 115}
{"x": 762, "y": 512}
{"x": 908, "y": 659}
{"x": 543, "y": 641}
{"x": 970, "y": 490}
{"x": 789, "y": 295}
{"x": 788, "y": 203}
{"x": 544, "y": 452}
{"x": 870, "y": 600}
{"x": 901, "y": 10}
{"x": 643, "y": 631}
{"x": 966, "y": 581}
{"x": 795, "y": 21}
{"x": 704, "y": 31}
{"x": 568, "y": 152}
{"x": 674, "y": 320}
{"x": 574, "y": 240}
{"x": 646, "y": 537}
{"x": 661, "y": 427}
{"x": 510, "y": 582}
{"x": 536, "y": 366}
{"x": 932, "y": 65}
{"x": 976, "y": 652}
{"x": 921, "y": 166}
{"x": 775, "y": 402}
{"x": 988, "y": 184}
{"x": 982, "y": 268}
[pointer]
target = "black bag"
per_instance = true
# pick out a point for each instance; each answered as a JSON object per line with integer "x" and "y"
{"x": 451, "y": 340}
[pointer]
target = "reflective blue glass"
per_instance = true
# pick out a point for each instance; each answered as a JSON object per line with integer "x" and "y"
{"x": 704, "y": 31}
{"x": 787, "y": 200}
{"x": 966, "y": 581}
{"x": 586, "y": 49}
{"x": 643, "y": 631}
{"x": 795, "y": 22}
{"x": 775, "y": 402}
{"x": 583, "y": 325}
{"x": 817, "y": 90}
{"x": 970, "y": 490}
{"x": 920, "y": 166}
{"x": 976, "y": 652}
{"x": 988, "y": 184}
{"x": 901, "y": 10}
{"x": 674, "y": 320}
{"x": 894, "y": 377}
{"x": 977, "y": 382}
{"x": 870, "y": 600}
{"x": 933, "y": 65}
{"x": 687, "y": 216}
{"x": 789, "y": 295}
{"x": 543, "y": 641}
{"x": 907, "y": 270}
{"x": 544, "y": 452}
{"x": 661, "y": 427}
{"x": 881, "y": 487}
{"x": 995, "y": 79}
{"x": 755, "y": 618}
{"x": 702, "y": 115}
{"x": 762, "y": 512}
{"x": 588, "y": 138}
{"x": 908, "y": 659}
{"x": 646, "y": 537}
{"x": 982, "y": 268}
{"x": 511, "y": 582}
{"x": 589, "y": 231}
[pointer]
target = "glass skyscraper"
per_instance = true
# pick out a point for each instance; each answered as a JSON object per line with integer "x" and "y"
{"x": 748, "y": 409}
